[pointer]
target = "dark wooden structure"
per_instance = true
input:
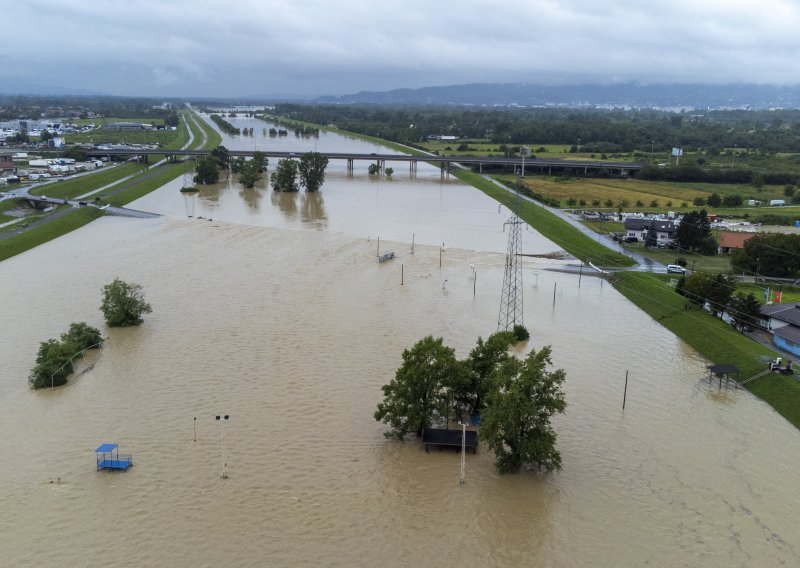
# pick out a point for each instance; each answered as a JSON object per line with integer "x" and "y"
{"x": 723, "y": 370}
{"x": 449, "y": 438}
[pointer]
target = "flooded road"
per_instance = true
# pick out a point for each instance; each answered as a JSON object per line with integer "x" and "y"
{"x": 293, "y": 332}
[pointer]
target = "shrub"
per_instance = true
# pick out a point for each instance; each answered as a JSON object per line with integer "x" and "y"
{"x": 123, "y": 304}
{"x": 521, "y": 333}
{"x": 54, "y": 359}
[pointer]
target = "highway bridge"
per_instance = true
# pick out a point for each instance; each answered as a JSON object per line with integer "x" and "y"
{"x": 544, "y": 165}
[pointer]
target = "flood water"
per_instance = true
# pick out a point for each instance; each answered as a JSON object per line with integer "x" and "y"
{"x": 292, "y": 329}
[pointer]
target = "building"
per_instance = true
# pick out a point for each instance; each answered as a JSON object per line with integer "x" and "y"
{"x": 732, "y": 240}
{"x": 783, "y": 322}
{"x": 7, "y": 166}
{"x": 128, "y": 126}
{"x": 665, "y": 230}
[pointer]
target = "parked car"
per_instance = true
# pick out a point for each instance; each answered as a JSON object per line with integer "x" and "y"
{"x": 676, "y": 268}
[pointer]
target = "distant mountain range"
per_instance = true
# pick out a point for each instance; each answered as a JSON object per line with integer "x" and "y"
{"x": 626, "y": 95}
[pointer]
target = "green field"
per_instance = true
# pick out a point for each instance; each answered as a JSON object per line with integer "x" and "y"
{"x": 711, "y": 337}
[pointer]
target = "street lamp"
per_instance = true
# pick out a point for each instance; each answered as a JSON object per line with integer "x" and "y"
{"x": 222, "y": 419}
{"x": 524, "y": 150}
{"x": 652, "y": 146}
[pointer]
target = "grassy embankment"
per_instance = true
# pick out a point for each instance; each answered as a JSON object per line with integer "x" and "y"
{"x": 140, "y": 185}
{"x": 72, "y": 188}
{"x": 711, "y": 337}
{"x": 24, "y": 241}
{"x": 552, "y": 227}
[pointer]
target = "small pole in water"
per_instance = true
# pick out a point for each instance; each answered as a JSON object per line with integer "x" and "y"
{"x": 195, "y": 428}
{"x": 474, "y": 281}
{"x": 379, "y": 246}
{"x": 554, "y": 293}
{"x": 401, "y": 275}
{"x": 580, "y": 275}
{"x": 412, "y": 243}
{"x": 222, "y": 420}
{"x": 463, "y": 447}
{"x": 440, "y": 256}
{"x": 625, "y": 394}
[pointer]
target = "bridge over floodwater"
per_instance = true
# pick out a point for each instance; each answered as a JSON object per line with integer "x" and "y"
{"x": 544, "y": 165}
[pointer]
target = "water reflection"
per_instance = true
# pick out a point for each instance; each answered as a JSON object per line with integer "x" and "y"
{"x": 286, "y": 202}
{"x": 252, "y": 196}
{"x": 312, "y": 208}
{"x": 190, "y": 202}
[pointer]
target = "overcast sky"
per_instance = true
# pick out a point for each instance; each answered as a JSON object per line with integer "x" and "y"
{"x": 243, "y": 48}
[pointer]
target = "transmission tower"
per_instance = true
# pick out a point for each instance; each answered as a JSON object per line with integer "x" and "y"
{"x": 511, "y": 297}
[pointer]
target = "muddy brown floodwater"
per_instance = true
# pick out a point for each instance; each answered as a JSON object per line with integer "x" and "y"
{"x": 292, "y": 329}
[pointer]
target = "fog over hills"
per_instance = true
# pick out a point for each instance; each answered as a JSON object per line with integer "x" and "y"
{"x": 627, "y": 95}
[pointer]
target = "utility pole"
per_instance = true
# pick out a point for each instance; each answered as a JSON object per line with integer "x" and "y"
{"x": 222, "y": 419}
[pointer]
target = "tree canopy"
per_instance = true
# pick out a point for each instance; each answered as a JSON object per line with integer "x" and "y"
{"x": 651, "y": 237}
{"x": 773, "y": 254}
{"x": 516, "y": 423}
{"x": 417, "y": 394}
{"x": 123, "y": 303}
{"x": 285, "y": 176}
{"x": 312, "y": 170}
{"x": 54, "y": 358}
{"x": 514, "y": 398}
{"x": 714, "y": 288}
{"x": 206, "y": 170}
{"x": 745, "y": 309}
{"x": 694, "y": 231}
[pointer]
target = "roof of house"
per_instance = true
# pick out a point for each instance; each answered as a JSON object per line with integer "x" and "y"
{"x": 644, "y": 224}
{"x": 734, "y": 239}
{"x": 790, "y": 313}
{"x": 789, "y": 332}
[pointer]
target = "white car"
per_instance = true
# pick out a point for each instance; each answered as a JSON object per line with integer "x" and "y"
{"x": 676, "y": 268}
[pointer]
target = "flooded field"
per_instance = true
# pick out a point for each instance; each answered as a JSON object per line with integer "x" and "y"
{"x": 292, "y": 332}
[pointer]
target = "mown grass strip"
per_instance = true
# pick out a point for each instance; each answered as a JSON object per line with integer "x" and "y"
{"x": 71, "y": 188}
{"x": 61, "y": 226}
{"x": 163, "y": 175}
{"x": 712, "y": 338}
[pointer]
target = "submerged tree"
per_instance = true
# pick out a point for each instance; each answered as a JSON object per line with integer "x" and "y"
{"x": 516, "y": 422}
{"x": 285, "y": 176}
{"x": 418, "y": 393}
{"x": 123, "y": 304}
{"x": 481, "y": 364}
{"x": 312, "y": 170}
{"x": 206, "y": 170}
{"x": 54, "y": 358}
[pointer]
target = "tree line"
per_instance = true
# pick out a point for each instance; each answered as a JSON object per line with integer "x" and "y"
{"x": 595, "y": 130}
{"x": 290, "y": 175}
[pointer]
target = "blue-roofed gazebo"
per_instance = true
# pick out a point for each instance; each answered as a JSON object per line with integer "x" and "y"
{"x": 108, "y": 457}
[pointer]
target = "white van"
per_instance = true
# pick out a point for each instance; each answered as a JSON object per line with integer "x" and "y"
{"x": 676, "y": 268}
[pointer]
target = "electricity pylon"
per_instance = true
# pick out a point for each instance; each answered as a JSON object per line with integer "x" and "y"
{"x": 511, "y": 297}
